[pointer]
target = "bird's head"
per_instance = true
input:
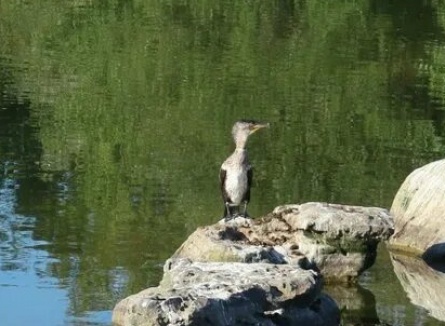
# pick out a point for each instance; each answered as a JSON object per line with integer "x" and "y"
{"x": 243, "y": 128}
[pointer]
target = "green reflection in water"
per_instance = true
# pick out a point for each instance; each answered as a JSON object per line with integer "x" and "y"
{"x": 130, "y": 106}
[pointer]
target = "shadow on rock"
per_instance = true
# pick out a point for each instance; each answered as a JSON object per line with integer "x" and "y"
{"x": 252, "y": 307}
{"x": 434, "y": 256}
{"x": 221, "y": 294}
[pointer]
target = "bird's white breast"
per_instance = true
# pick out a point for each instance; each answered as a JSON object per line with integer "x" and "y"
{"x": 236, "y": 184}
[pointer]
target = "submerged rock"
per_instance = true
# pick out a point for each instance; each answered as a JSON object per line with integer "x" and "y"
{"x": 263, "y": 272}
{"x": 197, "y": 293}
{"x": 419, "y": 211}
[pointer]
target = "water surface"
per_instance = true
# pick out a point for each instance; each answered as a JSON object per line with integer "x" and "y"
{"x": 115, "y": 117}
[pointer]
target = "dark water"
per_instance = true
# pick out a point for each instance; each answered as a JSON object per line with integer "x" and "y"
{"x": 115, "y": 117}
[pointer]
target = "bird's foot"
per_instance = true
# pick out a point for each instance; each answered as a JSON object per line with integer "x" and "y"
{"x": 230, "y": 217}
{"x": 234, "y": 216}
{"x": 243, "y": 215}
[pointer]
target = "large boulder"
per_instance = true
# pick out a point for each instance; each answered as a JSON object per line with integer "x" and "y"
{"x": 419, "y": 210}
{"x": 220, "y": 294}
{"x": 338, "y": 240}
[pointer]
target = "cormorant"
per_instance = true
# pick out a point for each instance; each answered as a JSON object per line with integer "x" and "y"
{"x": 236, "y": 172}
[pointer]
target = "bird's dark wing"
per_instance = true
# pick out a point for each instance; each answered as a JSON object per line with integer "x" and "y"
{"x": 222, "y": 180}
{"x": 249, "y": 183}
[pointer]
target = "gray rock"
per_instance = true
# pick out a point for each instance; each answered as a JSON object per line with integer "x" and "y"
{"x": 419, "y": 211}
{"x": 197, "y": 293}
{"x": 339, "y": 240}
{"x": 262, "y": 272}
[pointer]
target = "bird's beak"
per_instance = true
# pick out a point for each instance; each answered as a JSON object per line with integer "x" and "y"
{"x": 259, "y": 126}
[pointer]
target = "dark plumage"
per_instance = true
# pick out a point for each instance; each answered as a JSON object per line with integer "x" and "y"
{"x": 236, "y": 172}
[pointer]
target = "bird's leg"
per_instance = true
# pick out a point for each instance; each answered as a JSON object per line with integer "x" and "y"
{"x": 228, "y": 212}
{"x": 245, "y": 210}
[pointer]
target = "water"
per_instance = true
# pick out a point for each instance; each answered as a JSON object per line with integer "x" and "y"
{"x": 115, "y": 117}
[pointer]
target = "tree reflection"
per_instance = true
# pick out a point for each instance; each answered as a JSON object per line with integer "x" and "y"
{"x": 115, "y": 116}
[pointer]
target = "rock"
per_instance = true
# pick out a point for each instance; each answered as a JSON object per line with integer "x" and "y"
{"x": 219, "y": 294}
{"x": 423, "y": 284}
{"x": 338, "y": 240}
{"x": 419, "y": 210}
{"x": 262, "y": 272}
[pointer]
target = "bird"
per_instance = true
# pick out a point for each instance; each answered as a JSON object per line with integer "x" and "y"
{"x": 236, "y": 172}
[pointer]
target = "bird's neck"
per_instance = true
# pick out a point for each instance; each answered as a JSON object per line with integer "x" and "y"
{"x": 240, "y": 150}
{"x": 240, "y": 142}
{"x": 239, "y": 156}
